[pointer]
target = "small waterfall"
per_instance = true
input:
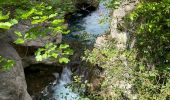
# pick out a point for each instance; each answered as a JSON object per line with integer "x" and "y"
{"x": 65, "y": 76}
{"x": 61, "y": 91}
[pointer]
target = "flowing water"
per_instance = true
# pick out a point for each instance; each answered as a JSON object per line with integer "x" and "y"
{"x": 91, "y": 26}
{"x": 61, "y": 91}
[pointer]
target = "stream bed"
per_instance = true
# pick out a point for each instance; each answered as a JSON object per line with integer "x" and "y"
{"x": 84, "y": 27}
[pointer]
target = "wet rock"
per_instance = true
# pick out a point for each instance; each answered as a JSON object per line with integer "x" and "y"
{"x": 13, "y": 85}
{"x": 93, "y": 3}
{"x": 39, "y": 76}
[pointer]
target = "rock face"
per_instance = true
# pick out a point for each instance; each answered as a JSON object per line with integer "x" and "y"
{"x": 121, "y": 37}
{"x": 40, "y": 41}
{"x": 13, "y": 85}
{"x": 117, "y": 16}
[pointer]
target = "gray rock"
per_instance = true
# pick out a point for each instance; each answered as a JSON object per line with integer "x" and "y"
{"x": 40, "y": 41}
{"x": 13, "y": 85}
{"x": 118, "y": 14}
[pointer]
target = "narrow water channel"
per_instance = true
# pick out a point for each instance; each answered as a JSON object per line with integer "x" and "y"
{"x": 91, "y": 26}
{"x": 79, "y": 25}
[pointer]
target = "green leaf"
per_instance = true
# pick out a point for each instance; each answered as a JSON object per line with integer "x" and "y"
{"x": 58, "y": 29}
{"x": 57, "y": 21}
{"x": 66, "y": 32}
{"x": 19, "y": 41}
{"x": 63, "y": 46}
{"x": 45, "y": 56}
{"x": 5, "y": 25}
{"x": 7, "y": 64}
{"x": 13, "y": 21}
{"x": 28, "y": 14}
{"x": 38, "y": 58}
{"x": 3, "y": 17}
{"x": 53, "y": 15}
{"x": 49, "y": 7}
{"x": 68, "y": 52}
{"x": 42, "y": 19}
{"x": 38, "y": 12}
{"x": 63, "y": 60}
{"x": 36, "y": 17}
{"x": 55, "y": 55}
{"x": 18, "y": 33}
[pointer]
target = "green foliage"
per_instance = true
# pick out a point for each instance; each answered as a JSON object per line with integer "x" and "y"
{"x": 7, "y": 24}
{"x": 113, "y": 4}
{"x": 100, "y": 55}
{"x": 152, "y": 43}
{"x": 6, "y": 64}
{"x": 46, "y": 19}
{"x": 79, "y": 86}
{"x": 145, "y": 69}
{"x": 152, "y": 32}
{"x": 112, "y": 61}
{"x": 51, "y": 50}
{"x": 3, "y": 17}
{"x": 124, "y": 66}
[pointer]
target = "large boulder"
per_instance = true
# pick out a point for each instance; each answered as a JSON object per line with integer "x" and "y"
{"x": 28, "y": 48}
{"x": 12, "y": 83}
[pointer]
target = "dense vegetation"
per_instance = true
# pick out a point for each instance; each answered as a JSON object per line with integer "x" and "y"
{"x": 142, "y": 71}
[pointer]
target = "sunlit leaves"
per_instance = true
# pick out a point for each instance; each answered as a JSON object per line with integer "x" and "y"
{"x": 63, "y": 46}
{"x": 13, "y": 21}
{"x": 3, "y": 17}
{"x": 19, "y": 34}
{"x": 63, "y": 60}
{"x": 57, "y": 21}
{"x": 6, "y": 64}
{"x": 40, "y": 20}
{"x": 52, "y": 15}
{"x": 19, "y": 41}
{"x": 27, "y": 14}
{"x": 8, "y": 25}
{"x": 5, "y": 25}
{"x": 132, "y": 16}
{"x": 51, "y": 50}
{"x": 45, "y": 19}
{"x": 113, "y": 3}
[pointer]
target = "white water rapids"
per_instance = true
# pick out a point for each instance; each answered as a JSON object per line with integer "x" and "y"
{"x": 61, "y": 92}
